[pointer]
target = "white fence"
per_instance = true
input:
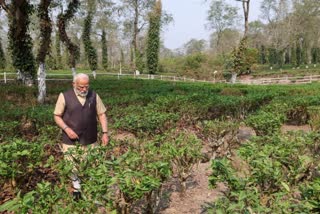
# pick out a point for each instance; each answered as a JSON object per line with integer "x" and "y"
{"x": 5, "y": 77}
{"x": 283, "y": 80}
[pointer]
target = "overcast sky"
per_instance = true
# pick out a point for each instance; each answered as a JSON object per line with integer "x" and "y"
{"x": 190, "y": 19}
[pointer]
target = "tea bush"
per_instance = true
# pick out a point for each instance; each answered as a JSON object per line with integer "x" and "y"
{"x": 265, "y": 123}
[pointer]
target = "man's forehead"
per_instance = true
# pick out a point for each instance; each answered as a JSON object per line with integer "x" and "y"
{"x": 82, "y": 82}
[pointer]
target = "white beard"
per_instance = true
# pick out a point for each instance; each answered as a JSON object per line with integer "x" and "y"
{"x": 81, "y": 94}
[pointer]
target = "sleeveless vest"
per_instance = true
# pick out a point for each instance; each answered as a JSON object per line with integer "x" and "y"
{"x": 82, "y": 119}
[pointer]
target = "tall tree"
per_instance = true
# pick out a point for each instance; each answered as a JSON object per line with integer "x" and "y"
{"x": 153, "y": 46}
{"x": 63, "y": 19}
{"x": 2, "y": 57}
{"x": 104, "y": 48}
{"x": 194, "y": 46}
{"x": 293, "y": 51}
{"x": 90, "y": 51}
{"x": 58, "y": 50}
{"x": 137, "y": 14}
{"x": 20, "y": 42}
{"x": 45, "y": 40}
{"x": 242, "y": 59}
{"x": 221, "y": 16}
{"x": 246, "y": 9}
{"x": 262, "y": 55}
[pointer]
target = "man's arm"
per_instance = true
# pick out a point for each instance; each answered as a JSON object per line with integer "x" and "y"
{"x": 104, "y": 126}
{"x": 59, "y": 121}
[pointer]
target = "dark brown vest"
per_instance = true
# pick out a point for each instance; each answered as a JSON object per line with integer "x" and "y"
{"x": 81, "y": 119}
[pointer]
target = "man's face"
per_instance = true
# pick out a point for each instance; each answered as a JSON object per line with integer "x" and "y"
{"x": 81, "y": 87}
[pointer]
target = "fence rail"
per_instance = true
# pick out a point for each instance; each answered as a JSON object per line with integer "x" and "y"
{"x": 5, "y": 77}
{"x": 9, "y": 76}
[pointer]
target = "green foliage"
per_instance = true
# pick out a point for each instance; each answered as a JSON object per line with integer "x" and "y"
{"x": 20, "y": 204}
{"x": 140, "y": 60}
{"x": 104, "y": 49}
{"x": 243, "y": 58}
{"x": 217, "y": 133}
{"x": 8, "y": 130}
{"x": 277, "y": 173}
{"x": 45, "y": 30}
{"x": 223, "y": 172}
{"x": 146, "y": 121}
{"x": 265, "y": 123}
{"x": 20, "y": 42}
{"x": 17, "y": 159}
{"x": 91, "y": 52}
{"x": 315, "y": 55}
{"x": 2, "y": 57}
{"x": 314, "y": 114}
{"x": 311, "y": 192}
{"x": 63, "y": 19}
{"x": 299, "y": 55}
{"x": 153, "y": 43}
{"x": 194, "y": 61}
{"x": 304, "y": 54}
{"x": 272, "y": 56}
{"x": 280, "y": 58}
{"x": 262, "y": 55}
{"x": 184, "y": 151}
{"x": 58, "y": 51}
{"x": 276, "y": 178}
{"x": 293, "y": 59}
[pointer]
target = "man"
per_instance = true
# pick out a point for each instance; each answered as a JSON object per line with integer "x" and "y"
{"x": 76, "y": 113}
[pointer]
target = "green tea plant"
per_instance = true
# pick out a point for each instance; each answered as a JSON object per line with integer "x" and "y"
{"x": 314, "y": 115}
{"x": 219, "y": 134}
{"x": 184, "y": 151}
{"x": 147, "y": 122}
{"x": 265, "y": 123}
{"x": 18, "y": 159}
{"x": 281, "y": 173}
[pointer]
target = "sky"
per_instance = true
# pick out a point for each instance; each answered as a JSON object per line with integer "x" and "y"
{"x": 190, "y": 19}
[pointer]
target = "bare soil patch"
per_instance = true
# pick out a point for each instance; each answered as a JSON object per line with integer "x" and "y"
{"x": 197, "y": 194}
{"x": 287, "y": 128}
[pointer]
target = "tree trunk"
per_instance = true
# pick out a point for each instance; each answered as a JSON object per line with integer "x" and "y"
{"x": 233, "y": 77}
{"x": 135, "y": 34}
{"x": 245, "y": 5}
{"x": 73, "y": 70}
{"x": 41, "y": 83}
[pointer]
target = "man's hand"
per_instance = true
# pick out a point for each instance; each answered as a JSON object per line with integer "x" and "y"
{"x": 105, "y": 139}
{"x": 71, "y": 134}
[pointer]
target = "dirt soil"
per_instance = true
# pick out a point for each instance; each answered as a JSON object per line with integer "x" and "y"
{"x": 197, "y": 195}
{"x": 198, "y": 192}
{"x": 304, "y": 128}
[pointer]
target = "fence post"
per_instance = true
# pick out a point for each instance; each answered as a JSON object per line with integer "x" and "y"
{"x": 174, "y": 78}
{"x": 5, "y": 77}
{"x": 161, "y": 77}
{"x": 118, "y": 76}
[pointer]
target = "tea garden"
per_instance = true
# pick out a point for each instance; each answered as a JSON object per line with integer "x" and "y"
{"x": 168, "y": 124}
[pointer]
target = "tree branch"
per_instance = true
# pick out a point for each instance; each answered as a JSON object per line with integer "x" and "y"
{"x": 4, "y": 6}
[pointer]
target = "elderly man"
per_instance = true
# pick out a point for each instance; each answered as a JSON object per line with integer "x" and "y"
{"x": 76, "y": 113}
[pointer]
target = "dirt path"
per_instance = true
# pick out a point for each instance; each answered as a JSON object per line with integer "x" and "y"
{"x": 197, "y": 195}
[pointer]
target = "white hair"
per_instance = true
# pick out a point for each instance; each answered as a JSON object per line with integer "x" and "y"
{"x": 80, "y": 76}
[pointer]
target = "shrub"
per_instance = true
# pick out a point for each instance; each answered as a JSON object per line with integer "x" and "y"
{"x": 220, "y": 134}
{"x": 314, "y": 113}
{"x": 265, "y": 123}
